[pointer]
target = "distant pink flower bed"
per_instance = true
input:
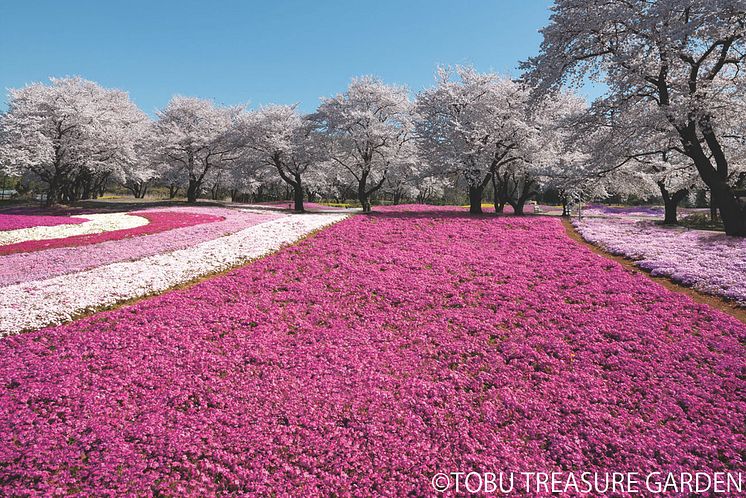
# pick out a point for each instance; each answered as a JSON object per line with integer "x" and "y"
{"x": 291, "y": 205}
{"x": 17, "y": 221}
{"x": 708, "y": 261}
{"x": 29, "y": 266}
{"x": 371, "y": 356}
{"x": 159, "y": 221}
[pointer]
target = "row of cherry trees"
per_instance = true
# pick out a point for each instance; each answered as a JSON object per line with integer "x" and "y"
{"x": 473, "y": 129}
{"x": 670, "y": 122}
{"x": 673, "y": 112}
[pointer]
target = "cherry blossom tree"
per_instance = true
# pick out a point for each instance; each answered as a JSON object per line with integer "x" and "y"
{"x": 70, "y": 134}
{"x": 634, "y": 155}
{"x": 286, "y": 141}
{"x": 682, "y": 58}
{"x": 197, "y": 137}
{"x": 369, "y": 131}
{"x": 475, "y": 125}
{"x": 145, "y": 167}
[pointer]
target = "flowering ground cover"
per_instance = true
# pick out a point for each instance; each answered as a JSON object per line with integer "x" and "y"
{"x": 633, "y": 211}
{"x": 39, "y": 265}
{"x": 313, "y": 206}
{"x": 95, "y": 223}
{"x": 710, "y": 262}
{"x": 33, "y": 304}
{"x": 101, "y": 228}
{"x": 18, "y": 221}
{"x": 370, "y": 356}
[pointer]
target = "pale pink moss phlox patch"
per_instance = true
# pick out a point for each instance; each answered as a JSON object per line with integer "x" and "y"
{"x": 158, "y": 221}
{"x": 29, "y": 266}
{"x": 710, "y": 262}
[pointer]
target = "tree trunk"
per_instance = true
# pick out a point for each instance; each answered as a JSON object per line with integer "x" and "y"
{"x": 518, "y": 207}
{"x": 52, "y": 194}
{"x": 475, "y": 199}
{"x": 364, "y": 201}
{"x": 499, "y": 204}
{"x": 732, "y": 212}
{"x": 670, "y": 217}
{"x": 298, "y": 195}
{"x": 671, "y": 203}
{"x": 524, "y": 195}
{"x": 362, "y": 193}
{"x": 193, "y": 191}
{"x": 172, "y": 191}
{"x": 713, "y": 208}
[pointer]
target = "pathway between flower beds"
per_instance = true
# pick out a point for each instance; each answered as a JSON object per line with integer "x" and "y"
{"x": 710, "y": 262}
{"x": 370, "y": 356}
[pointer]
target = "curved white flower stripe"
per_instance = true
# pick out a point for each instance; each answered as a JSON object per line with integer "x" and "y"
{"x": 97, "y": 223}
{"x": 36, "y": 304}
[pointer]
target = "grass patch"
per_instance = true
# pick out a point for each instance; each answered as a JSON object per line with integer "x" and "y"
{"x": 701, "y": 221}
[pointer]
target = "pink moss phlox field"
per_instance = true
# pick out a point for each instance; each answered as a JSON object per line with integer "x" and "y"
{"x": 28, "y": 266}
{"x": 158, "y": 221}
{"x": 708, "y": 261}
{"x": 17, "y": 221}
{"x": 370, "y": 356}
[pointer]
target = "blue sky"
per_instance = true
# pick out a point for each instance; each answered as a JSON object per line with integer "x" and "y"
{"x": 274, "y": 51}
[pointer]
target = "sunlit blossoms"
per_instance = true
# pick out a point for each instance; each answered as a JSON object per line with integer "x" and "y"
{"x": 708, "y": 261}
{"x": 370, "y": 356}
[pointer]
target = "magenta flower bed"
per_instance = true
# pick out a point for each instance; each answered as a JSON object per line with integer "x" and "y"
{"x": 28, "y": 266}
{"x": 371, "y": 356}
{"x": 17, "y": 221}
{"x": 159, "y": 221}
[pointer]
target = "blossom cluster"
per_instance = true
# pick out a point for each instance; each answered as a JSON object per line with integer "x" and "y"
{"x": 710, "y": 262}
{"x": 18, "y": 221}
{"x": 369, "y": 357}
{"x": 34, "y": 304}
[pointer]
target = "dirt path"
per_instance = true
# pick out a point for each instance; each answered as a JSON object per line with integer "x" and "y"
{"x": 711, "y": 300}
